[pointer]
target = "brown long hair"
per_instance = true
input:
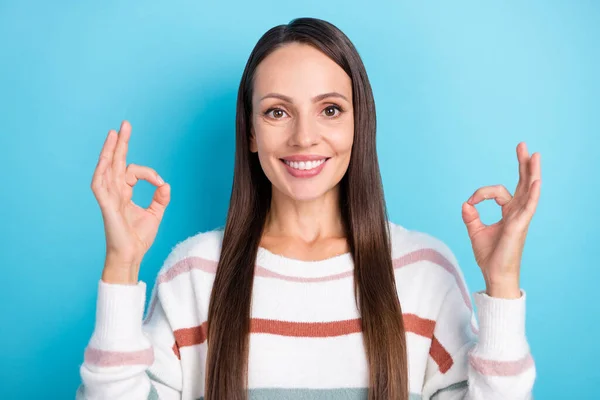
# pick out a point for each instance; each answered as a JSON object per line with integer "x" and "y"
{"x": 365, "y": 220}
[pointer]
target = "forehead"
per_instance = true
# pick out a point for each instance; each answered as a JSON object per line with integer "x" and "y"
{"x": 300, "y": 71}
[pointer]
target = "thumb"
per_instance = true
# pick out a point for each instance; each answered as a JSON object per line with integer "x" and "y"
{"x": 470, "y": 217}
{"x": 160, "y": 200}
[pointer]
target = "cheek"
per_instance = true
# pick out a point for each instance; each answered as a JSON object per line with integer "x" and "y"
{"x": 269, "y": 142}
{"x": 342, "y": 140}
{"x": 263, "y": 140}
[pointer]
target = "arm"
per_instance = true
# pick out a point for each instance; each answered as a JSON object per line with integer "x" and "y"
{"x": 126, "y": 359}
{"x": 494, "y": 364}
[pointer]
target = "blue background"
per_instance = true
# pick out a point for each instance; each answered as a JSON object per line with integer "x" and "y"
{"x": 457, "y": 86}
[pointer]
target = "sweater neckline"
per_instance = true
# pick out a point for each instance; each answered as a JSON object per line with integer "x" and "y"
{"x": 302, "y": 268}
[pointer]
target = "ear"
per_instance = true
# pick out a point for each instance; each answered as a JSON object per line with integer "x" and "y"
{"x": 253, "y": 146}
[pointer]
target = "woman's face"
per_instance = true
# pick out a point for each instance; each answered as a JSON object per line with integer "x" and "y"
{"x": 302, "y": 121}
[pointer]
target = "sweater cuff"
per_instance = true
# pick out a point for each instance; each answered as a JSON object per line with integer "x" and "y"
{"x": 119, "y": 312}
{"x": 502, "y": 327}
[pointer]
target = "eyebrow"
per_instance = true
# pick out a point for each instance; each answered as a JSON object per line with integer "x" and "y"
{"x": 314, "y": 99}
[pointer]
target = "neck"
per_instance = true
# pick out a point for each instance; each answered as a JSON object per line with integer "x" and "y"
{"x": 307, "y": 220}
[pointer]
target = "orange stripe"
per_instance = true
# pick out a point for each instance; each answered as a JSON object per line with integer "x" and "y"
{"x": 440, "y": 355}
{"x": 412, "y": 323}
{"x": 197, "y": 335}
{"x": 189, "y": 337}
{"x": 305, "y": 329}
{"x": 420, "y": 326}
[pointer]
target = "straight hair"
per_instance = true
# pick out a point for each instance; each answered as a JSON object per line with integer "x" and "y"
{"x": 364, "y": 217}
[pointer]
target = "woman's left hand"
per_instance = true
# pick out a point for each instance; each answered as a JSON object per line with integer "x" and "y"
{"x": 499, "y": 247}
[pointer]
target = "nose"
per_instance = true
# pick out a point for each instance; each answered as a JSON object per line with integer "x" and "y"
{"x": 305, "y": 133}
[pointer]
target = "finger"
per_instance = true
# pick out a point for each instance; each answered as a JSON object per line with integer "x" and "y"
{"x": 119, "y": 160}
{"x": 160, "y": 201}
{"x": 470, "y": 217}
{"x": 496, "y": 192}
{"x": 136, "y": 172}
{"x": 535, "y": 168}
{"x": 98, "y": 179}
{"x": 523, "y": 158}
{"x": 106, "y": 155}
{"x": 108, "y": 148}
{"x": 534, "y": 196}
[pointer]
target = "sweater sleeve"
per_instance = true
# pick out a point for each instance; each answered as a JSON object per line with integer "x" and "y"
{"x": 125, "y": 358}
{"x": 493, "y": 363}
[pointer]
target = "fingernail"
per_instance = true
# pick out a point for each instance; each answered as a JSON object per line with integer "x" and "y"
{"x": 160, "y": 181}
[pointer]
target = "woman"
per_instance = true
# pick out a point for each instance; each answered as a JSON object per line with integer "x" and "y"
{"x": 311, "y": 293}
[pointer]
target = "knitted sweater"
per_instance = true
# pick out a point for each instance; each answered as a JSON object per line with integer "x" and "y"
{"x": 306, "y": 341}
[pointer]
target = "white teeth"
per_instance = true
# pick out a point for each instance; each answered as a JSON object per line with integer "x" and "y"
{"x": 304, "y": 165}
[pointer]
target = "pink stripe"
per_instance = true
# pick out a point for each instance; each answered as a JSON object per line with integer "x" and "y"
{"x": 501, "y": 368}
{"x": 265, "y": 273}
{"x": 435, "y": 257}
{"x": 209, "y": 266}
{"x": 181, "y": 267}
{"x": 103, "y": 358}
{"x": 186, "y": 265}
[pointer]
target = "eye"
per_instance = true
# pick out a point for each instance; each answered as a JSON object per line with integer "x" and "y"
{"x": 275, "y": 113}
{"x": 330, "y": 111}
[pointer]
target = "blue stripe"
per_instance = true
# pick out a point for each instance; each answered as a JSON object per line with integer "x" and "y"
{"x": 454, "y": 386}
{"x": 153, "y": 395}
{"x": 312, "y": 394}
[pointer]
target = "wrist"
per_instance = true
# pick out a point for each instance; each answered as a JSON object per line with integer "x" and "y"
{"x": 508, "y": 288}
{"x": 119, "y": 277}
{"x": 512, "y": 291}
{"x": 117, "y": 272}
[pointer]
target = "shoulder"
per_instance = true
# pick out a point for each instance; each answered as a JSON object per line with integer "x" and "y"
{"x": 404, "y": 241}
{"x": 426, "y": 257}
{"x": 428, "y": 276}
{"x": 204, "y": 246}
{"x": 178, "y": 287}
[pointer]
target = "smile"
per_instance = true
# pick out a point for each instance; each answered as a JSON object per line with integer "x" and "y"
{"x": 304, "y": 165}
{"x": 305, "y": 168}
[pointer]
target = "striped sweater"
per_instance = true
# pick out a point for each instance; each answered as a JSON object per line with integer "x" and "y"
{"x": 305, "y": 341}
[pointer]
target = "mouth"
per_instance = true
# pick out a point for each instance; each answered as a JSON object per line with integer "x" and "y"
{"x": 305, "y": 165}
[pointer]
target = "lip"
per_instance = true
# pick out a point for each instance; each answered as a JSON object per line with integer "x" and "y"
{"x": 304, "y": 157}
{"x": 297, "y": 173}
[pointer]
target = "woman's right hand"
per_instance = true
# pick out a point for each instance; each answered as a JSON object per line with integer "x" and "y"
{"x": 130, "y": 229}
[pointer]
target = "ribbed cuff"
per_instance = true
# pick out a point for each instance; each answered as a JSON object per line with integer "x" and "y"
{"x": 119, "y": 313}
{"x": 501, "y": 327}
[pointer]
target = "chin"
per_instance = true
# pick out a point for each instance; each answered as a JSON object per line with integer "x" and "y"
{"x": 305, "y": 196}
{"x": 307, "y": 191}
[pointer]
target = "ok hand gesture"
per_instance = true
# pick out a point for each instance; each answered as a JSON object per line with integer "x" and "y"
{"x": 498, "y": 248}
{"x": 130, "y": 229}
